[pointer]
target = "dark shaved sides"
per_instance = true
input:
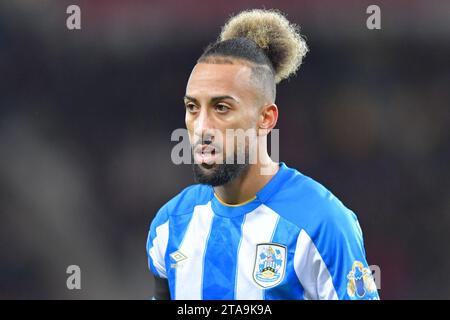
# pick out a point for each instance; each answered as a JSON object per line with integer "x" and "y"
{"x": 244, "y": 50}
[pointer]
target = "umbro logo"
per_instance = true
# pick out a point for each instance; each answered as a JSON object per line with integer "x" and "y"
{"x": 177, "y": 257}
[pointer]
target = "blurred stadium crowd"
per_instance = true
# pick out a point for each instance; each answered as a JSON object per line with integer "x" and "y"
{"x": 86, "y": 118}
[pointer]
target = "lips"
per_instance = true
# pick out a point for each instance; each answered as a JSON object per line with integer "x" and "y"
{"x": 206, "y": 154}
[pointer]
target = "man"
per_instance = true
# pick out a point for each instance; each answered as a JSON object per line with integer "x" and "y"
{"x": 251, "y": 229}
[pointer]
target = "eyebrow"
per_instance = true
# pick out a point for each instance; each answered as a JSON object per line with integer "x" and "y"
{"x": 213, "y": 99}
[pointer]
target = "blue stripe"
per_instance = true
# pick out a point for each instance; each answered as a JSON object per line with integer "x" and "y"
{"x": 219, "y": 275}
{"x": 177, "y": 229}
{"x": 286, "y": 234}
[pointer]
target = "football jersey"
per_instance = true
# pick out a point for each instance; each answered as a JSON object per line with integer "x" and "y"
{"x": 294, "y": 240}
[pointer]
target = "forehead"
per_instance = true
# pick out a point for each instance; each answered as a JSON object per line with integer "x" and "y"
{"x": 209, "y": 79}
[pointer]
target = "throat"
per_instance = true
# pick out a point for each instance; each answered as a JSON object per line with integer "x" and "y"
{"x": 244, "y": 188}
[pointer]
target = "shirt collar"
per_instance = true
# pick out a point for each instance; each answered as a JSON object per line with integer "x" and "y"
{"x": 262, "y": 196}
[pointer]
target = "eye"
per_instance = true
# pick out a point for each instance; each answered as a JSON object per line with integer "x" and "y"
{"x": 190, "y": 107}
{"x": 221, "y": 108}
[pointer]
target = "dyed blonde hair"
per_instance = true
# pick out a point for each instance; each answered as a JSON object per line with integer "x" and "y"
{"x": 274, "y": 34}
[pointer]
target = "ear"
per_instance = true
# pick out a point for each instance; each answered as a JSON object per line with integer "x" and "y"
{"x": 268, "y": 118}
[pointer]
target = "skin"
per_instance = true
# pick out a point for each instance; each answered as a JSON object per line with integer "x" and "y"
{"x": 246, "y": 106}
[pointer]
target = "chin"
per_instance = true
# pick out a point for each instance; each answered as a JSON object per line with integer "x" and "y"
{"x": 217, "y": 174}
{"x": 207, "y": 167}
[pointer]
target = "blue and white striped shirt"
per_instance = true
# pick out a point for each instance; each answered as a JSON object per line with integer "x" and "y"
{"x": 295, "y": 240}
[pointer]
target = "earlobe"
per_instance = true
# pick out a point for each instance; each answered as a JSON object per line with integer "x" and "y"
{"x": 263, "y": 131}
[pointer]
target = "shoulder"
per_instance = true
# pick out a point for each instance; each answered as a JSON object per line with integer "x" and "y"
{"x": 311, "y": 206}
{"x": 184, "y": 202}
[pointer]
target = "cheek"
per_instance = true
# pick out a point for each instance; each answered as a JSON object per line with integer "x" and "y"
{"x": 190, "y": 127}
{"x": 243, "y": 119}
{"x": 246, "y": 121}
{"x": 188, "y": 120}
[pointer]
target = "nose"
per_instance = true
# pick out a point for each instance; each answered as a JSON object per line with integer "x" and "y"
{"x": 203, "y": 126}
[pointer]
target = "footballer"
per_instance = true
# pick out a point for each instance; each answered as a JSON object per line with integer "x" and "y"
{"x": 254, "y": 230}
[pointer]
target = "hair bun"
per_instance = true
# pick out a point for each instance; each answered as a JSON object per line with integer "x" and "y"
{"x": 272, "y": 32}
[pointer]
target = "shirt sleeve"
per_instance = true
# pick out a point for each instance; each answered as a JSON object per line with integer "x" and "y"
{"x": 330, "y": 259}
{"x": 157, "y": 240}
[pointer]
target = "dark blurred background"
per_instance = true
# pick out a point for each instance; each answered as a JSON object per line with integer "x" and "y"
{"x": 86, "y": 118}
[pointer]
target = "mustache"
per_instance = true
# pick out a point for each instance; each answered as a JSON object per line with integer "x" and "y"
{"x": 209, "y": 143}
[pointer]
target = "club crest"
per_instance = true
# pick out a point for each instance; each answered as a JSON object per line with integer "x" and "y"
{"x": 360, "y": 282}
{"x": 270, "y": 264}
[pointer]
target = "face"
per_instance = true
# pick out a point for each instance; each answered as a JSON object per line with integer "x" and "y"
{"x": 219, "y": 97}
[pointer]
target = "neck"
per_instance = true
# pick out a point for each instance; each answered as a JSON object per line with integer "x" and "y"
{"x": 245, "y": 187}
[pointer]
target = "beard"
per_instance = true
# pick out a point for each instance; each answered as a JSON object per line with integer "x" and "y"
{"x": 218, "y": 174}
{"x": 221, "y": 173}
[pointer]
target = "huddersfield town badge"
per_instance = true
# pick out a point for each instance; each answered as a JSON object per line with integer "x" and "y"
{"x": 360, "y": 282}
{"x": 270, "y": 264}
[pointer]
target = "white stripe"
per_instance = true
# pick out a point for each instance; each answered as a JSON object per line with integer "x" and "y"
{"x": 189, "y": 272}
{"x": 158, "y": 251}
{"x": 312, "y": 271}
{"x": 259, "y": 226}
